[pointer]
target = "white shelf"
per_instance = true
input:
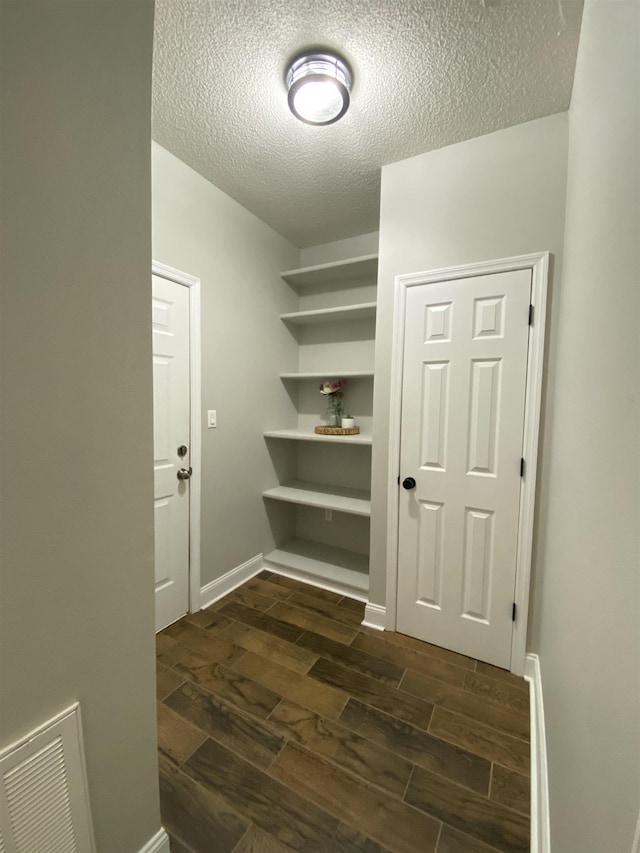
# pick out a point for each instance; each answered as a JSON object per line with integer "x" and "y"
{"x": 343, "y": 571}
{"x": 362, "y": 311}
{"x": 354, "y": 268}
{"x": 306, "y": 435}
{"x": 337, "y": 374}
{"x": 352, "y": 501}
{"x": 331, "y": 568}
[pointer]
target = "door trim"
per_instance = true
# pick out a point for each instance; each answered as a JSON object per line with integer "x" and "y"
{"x": 195, "y": 437}
{"x": 538, "y": 263}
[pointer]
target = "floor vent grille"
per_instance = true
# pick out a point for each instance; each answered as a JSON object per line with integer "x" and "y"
{"x": 44, "y": 803}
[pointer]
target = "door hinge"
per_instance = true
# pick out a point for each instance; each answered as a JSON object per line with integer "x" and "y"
{"x": 398, "y": 479}
{"x": 513, "y": 612}
{"x": 531, "y": 315}
{"x": 522, "y": 467}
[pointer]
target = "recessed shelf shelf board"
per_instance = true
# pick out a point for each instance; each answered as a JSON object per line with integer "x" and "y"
{"x": 361, "y": 311}
{"x": 354, "y": 268}
{"x": 328, "y": 374}
{"x": 352, "y": 501}
{"x": 307, "y": 435}
{"x": 333, "y": 568}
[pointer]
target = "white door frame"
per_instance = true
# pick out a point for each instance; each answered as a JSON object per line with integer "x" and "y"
{"x": 195, "y": 437}
{"x": 538, "y": 263}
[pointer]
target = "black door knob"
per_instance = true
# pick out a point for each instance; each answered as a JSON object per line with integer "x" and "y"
{"x": 408, "y": 483}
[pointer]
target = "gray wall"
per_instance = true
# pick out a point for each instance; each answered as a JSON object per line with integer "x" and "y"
{"x": 588, "y": 635}
{"x": 76, "y": 519}
{"x": 200, "y": 230}
{"x": 492, "y": 197}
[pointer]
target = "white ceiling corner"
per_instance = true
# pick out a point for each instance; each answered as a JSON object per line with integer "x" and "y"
{"x": 427, "y": 73}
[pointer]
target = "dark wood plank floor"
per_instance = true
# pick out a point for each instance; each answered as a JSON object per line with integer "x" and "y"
{"x": 283, "y": 724}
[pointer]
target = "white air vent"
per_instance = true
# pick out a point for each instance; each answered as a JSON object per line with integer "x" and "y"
{"x": 44, "y": 802}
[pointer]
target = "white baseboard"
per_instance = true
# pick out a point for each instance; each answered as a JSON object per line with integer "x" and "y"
{"x": 375, "y": 616}
{"x": 540, "y": 829}
{"x": 636, "y": 838}
{"x": 222, "y": 586}
{"x": 158, "y": 844}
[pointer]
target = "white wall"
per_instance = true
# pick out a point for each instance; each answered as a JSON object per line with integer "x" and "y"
{"x": 588, "y": 635}
{"x": 200, "y": 230}
{"x": 492, "y": 197}
{"x": 76, "y": 573}
{"x": 340, "y": 250}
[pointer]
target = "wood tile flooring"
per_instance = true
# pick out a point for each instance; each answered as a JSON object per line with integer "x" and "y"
{"x": 283, "y": 724}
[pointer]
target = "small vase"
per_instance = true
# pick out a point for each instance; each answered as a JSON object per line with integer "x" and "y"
{"x": 332, "y": 416}
{"x": 334, "y": 411}
{"x": 348, "y": 423}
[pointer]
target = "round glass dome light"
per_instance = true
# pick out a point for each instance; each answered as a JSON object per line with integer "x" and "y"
{"x": 319, "y": 86}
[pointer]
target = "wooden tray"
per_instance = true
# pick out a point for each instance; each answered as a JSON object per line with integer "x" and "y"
{"x": 325, "y": 430}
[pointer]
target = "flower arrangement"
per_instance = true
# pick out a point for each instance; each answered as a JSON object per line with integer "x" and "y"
{"x": 333, "y": 391}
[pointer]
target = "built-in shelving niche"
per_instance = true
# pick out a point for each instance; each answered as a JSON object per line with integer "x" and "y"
{"x": 326, "y": 494}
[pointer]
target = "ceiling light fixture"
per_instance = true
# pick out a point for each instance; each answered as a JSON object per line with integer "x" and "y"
{"x": 318, "y": 84}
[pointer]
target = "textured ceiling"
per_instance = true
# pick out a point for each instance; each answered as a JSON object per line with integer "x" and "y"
{"x": 427, "y": 73}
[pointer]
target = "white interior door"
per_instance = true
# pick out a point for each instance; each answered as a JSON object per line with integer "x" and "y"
{"x": 171, "y": 430}
{"x": 463, "y": 396}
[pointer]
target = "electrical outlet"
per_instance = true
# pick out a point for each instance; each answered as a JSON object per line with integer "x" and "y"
{"x": 328, "y": 515}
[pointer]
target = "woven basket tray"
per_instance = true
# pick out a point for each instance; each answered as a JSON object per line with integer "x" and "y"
{"x": 325, "y": 430}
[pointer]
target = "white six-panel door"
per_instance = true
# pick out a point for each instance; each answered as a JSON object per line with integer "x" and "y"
{"x": 463, "y": 396}
{"x": 171, "y": 412}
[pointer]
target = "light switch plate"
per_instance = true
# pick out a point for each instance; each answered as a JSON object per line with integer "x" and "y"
{"x": 212, "y": 419}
